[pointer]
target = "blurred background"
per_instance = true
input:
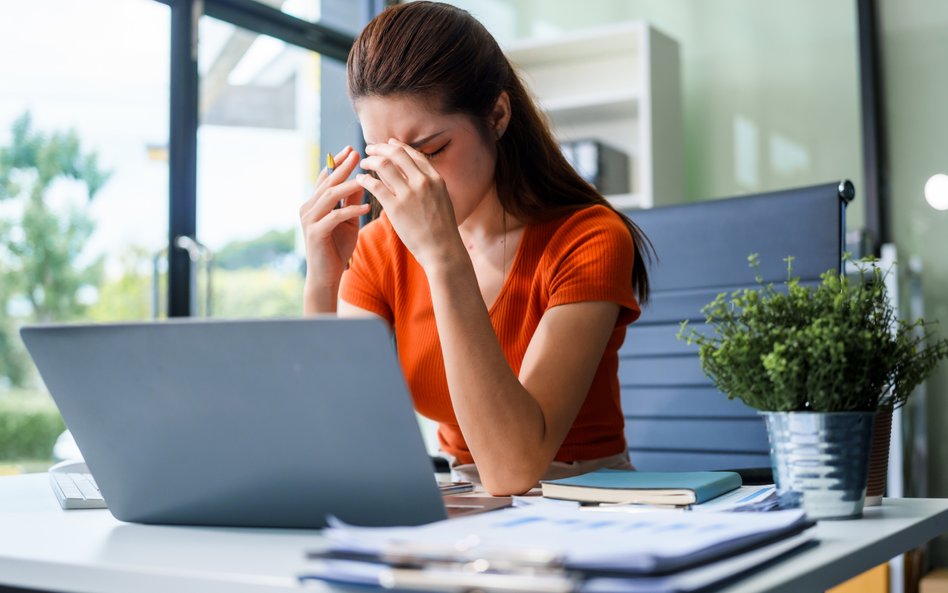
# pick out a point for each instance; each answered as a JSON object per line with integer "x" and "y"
{"x": 143, "y": 176}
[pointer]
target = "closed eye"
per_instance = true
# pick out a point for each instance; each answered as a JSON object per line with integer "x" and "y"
{"x": 435, "y": 153}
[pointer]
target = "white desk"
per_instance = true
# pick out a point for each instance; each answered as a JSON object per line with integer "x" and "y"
{"x": 45, "y": 548}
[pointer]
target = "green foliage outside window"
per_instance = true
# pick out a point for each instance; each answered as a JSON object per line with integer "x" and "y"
{"x": 41, "y": 238}
{"x": 262, "y": 251}
{"x": 29, "y": 426}
{"x": 40, "y": 243}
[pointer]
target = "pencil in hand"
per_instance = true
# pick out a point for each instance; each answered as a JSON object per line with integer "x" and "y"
{"x": 330, "y": 167}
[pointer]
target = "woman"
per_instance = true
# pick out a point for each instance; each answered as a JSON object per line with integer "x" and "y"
{"x": 507, "y": 280}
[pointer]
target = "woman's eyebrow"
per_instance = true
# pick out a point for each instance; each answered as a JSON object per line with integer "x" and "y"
{"x": 422, "y": 141}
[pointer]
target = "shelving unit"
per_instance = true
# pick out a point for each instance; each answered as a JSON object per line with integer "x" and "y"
{"x": 618, "y": 84}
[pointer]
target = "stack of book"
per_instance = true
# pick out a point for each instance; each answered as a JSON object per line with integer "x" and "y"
{"x": 672, "y": 489}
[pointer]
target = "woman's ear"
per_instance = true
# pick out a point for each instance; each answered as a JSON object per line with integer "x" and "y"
{"x": 500, "y": 114}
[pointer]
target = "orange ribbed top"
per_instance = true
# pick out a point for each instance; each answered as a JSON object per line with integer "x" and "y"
{"x": 585, "y": 256}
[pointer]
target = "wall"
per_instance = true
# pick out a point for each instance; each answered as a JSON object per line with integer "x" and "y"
{"x": 914, "y": 38}
{"x": 770, "y": 89}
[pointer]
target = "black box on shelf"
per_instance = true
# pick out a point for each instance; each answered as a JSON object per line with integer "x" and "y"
{"x": 605, "y": 167}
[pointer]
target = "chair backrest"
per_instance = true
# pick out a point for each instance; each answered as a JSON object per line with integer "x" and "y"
{"x": 675, "y": 419}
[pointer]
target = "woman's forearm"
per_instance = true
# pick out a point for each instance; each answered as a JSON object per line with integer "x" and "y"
{"x": 503, "y": 424}
{"x": 319, "y": 297}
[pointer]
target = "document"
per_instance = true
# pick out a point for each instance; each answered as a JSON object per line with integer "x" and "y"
{"x": 562, "y": 550}
{"x": 744, "y": 499}
{"x": 581, "y": 539}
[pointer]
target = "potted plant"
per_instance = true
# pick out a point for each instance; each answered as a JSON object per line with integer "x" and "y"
{"x": 817, "y": 362}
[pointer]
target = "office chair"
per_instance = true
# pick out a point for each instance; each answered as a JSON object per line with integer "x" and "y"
{"x": 675, "y": 419}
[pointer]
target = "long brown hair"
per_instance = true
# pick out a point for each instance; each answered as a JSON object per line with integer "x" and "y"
{"x": 441, "y": 53}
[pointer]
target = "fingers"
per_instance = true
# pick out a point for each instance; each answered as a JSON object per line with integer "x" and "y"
{"x": 397, "y": 153}
{"x": 341, "y": 215}
{"x": 375, "y": 186}
{"x": 390, "y": 173}
{"x": 325, "y": 225}
{"x": 321, "y": 197}
{"x": 324, "y": 201}
{"x": 353, "y": 198}
{"x": 346, "y": 161}
{"x": 399, "y": 166}
{"x": 417, "y": 157}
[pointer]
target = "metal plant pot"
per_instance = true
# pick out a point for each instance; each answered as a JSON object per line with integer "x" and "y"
{"x": 820, "y": 461}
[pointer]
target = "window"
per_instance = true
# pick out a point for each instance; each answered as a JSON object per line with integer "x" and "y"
{"x": 85, "y": 174}
{"x": 83, "y": 184}
{"x": 258, "y": 157}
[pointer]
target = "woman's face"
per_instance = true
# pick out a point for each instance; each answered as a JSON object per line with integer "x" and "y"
{"x": 456, "y": 148}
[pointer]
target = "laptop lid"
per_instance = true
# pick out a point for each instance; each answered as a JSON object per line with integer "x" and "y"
{"x": 269, "y": 423}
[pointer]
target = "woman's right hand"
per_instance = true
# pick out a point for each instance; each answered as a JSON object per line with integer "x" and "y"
{"x": 330, "y": 232}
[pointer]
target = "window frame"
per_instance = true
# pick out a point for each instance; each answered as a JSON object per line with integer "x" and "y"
{"x": 184, "y": 112}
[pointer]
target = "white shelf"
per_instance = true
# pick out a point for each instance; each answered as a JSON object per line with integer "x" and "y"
{"x": 621, "y": 38}
{"x": 627, "y": 201}
{"x": 618, "y": 84}
{"x": 588, "y": 108}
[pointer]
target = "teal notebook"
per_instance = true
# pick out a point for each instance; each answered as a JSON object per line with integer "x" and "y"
{"x": 623, "y": 486}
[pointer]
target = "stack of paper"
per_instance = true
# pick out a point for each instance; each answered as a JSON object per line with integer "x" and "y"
{"x": 744, "y": 499}
{"x": 566, "y": 549}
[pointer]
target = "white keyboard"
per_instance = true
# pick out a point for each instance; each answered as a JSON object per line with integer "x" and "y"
{"x": 74, "y": 486}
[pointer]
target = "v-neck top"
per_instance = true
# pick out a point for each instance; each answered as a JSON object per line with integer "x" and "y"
{"x": 586, "y": 255}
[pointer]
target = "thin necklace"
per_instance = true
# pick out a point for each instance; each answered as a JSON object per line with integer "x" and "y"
{"x": 503, "y": 270}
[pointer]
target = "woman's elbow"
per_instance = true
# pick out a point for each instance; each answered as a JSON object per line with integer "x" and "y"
{"x": 510, "y": 483}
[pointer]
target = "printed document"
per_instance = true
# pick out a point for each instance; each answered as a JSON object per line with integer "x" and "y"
{"x": 584, "y": 539}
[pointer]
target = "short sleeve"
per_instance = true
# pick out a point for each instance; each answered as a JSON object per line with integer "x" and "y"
{"x": 367, "y": 282}
{"x": 590, "y": 259}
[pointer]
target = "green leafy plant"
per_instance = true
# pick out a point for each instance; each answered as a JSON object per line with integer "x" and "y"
{"x": 834, "y": 347}
{"x": 29, "y": 426}
{"x": 45, "y": 223}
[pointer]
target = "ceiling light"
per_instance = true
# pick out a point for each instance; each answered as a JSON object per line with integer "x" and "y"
{"x": 936, "y": 191}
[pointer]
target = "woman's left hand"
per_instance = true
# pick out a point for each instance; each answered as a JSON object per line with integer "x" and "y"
{"x": 414, "y": 197}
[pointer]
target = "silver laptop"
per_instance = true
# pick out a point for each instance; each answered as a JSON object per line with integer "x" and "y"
{"x": 275, "y": 423}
